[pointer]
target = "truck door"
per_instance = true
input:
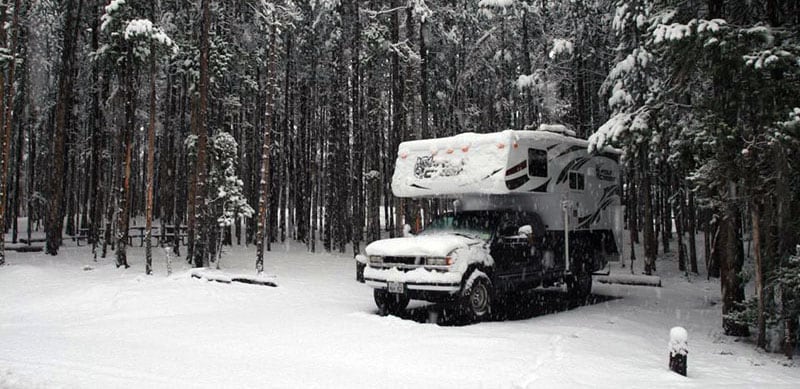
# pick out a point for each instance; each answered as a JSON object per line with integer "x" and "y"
{"x": 536, "y": 242}
{"x": 510, "y": 250}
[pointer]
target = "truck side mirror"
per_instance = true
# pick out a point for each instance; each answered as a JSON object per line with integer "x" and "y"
{"x": 526, "y": 230}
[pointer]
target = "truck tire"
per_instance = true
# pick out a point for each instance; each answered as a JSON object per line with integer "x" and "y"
{"x": 390, "y": 303}
{"x": 579, "y": 285}
{"x": 476, "y": 301}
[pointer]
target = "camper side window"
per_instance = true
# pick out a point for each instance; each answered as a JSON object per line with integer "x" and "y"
{"x": 576, "y": 181}
{"x": 537, "y": 163}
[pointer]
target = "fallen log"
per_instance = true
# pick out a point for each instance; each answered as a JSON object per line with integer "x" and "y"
{"x": 25, "y": 248}
{"x": 630, "y": 279}
{"x": 219, "y": 276}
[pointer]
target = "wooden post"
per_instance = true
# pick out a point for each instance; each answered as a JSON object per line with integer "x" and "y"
{"x": 678, "y": 349}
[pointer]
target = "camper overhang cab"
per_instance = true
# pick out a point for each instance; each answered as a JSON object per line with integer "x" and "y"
{"x": 529, "y": 208}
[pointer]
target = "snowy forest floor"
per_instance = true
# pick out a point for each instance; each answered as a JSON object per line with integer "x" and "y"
{"x": 68, "y": 321}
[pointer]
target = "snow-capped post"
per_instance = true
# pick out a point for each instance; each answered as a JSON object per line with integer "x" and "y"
{"x": 678, "y": 349}
{"x": 168, "y": 252}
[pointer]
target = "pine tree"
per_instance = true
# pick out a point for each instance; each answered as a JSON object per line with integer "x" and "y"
{"x": 228, "y": 203}
{"x": 132, "y": 42}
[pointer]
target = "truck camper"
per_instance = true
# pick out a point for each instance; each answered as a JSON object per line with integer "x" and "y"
{"x": 529, "y": 209}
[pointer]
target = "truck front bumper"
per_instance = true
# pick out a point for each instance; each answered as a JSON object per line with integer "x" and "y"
{"x": 411, "y": 280}
{"x": 425, "y": 286}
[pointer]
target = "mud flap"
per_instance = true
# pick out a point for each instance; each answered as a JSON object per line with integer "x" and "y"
{"x": 604, "y": 271}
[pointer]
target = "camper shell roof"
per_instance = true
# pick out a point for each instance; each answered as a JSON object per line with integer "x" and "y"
{"x": 470, "y": 163}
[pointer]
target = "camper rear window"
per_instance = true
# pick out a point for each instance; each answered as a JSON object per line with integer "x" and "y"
{"x": 576, "y": 181}
{"x": 537, "y": 163}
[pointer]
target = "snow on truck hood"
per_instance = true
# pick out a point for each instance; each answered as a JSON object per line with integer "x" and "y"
{"x": 439, "y": 245}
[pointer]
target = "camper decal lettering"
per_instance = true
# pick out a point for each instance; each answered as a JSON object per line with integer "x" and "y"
{"x": 422, "y": 165}
{"x": 605, "y": 174}
{"x": 427, "y": 167}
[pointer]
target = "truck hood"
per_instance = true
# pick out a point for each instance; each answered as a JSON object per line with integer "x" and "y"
{"x": 439, "y": 245}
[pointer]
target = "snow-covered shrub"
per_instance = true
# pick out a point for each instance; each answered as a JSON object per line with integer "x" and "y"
{"x": 782, "y": 303}
{"x": 228, "y": 197}
{"x": 561, "y": 47}
{"x": 225, "y": 198}
{"x": 787, "y": 280}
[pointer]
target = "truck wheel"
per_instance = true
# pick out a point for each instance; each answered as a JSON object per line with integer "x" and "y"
{"x": 579, "y": 285}
{"x": 477, "y": 300}
{"x": 390, "y": 303}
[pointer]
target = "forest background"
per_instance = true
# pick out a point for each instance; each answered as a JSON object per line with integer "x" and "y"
{"x": 258, "y": 122}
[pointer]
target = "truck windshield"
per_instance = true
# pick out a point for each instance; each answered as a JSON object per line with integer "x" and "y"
{"x": 474, "y": 224}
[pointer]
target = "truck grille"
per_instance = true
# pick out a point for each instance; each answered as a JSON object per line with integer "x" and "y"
{"x": 403, "y": 260}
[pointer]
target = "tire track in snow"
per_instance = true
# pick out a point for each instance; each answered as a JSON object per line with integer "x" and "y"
{"x": 555, "y": 353}
{"x": 88, "y": 373}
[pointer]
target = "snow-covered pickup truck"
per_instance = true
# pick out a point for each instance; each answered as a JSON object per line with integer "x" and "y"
{"x": 467, "y": 257}
{"x": 530, "y": 208}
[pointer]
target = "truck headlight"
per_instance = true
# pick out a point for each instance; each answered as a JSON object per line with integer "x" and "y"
{"x": 375, "y": 260}
{"x": 439, "y": 261}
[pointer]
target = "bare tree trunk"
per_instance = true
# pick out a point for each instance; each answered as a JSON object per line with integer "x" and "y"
{"x": 680, "y": 213}
{"x": 203, "y": 232}
{"x": 358, "y": 135}
{"x": 9, "y": 116}
{"x": 372, "y": 149}
{"x": 692, "y": 219}
{"x": 65, "y": 90}
{"x": 24, "y": 97}
{"x": 731, "y": 260}
{"x": 264, "y": 184}
{"x": 112, "y": 195}
{"x": 31, "y": 177}
{"x": 666, "y": 210}
{"x": 650, "y": 241}
{"x": 151, "y": 144}
{"x": 182, "y": 186}
{"x": 632, "y": 208}
{"x": 423, "y": 84}
{"x": 97, "y": 139}
{"x": 398, "y": 117}
{"x": 759, "y": 275}
{"x": 123, "y": 218}
{"x": 191, "y": 207}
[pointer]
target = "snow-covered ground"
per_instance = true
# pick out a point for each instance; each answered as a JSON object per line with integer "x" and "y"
{"x": 70, "y": 322}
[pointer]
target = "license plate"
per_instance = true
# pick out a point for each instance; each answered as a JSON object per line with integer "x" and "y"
{"x": 396, "y": 287}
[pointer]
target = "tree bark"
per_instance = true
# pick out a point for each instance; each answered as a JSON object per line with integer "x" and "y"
{"x": 692, "y": 219}
{"x": 761, "y": 341}
{"x": 731, "y": 260}
{"x": 98, "y": 138}
{"x": 151, "y": 144}
{"x": 358, "y": 136}
{"x": 398, "y": 117}
{"x": 191, "y": 206}
{"x": 264, "y": 184}
{"x": 680, "y": 211}
{"x": 200, "y": 253}
{"x": 123, "y": 217}
{"x": 650, "y": 242}
{"x": 9, "y": 116}
{"x": 65, "y": 90}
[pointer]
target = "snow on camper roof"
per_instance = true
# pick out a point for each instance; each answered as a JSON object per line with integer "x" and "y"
{"x": 465, "y": 163}
{"x": 557, "y": 128}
